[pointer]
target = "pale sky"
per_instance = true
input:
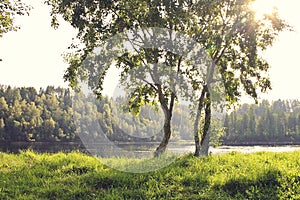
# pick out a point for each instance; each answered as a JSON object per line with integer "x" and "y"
{"x": 32, "y": 56}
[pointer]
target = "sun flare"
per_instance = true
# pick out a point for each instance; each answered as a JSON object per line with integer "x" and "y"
{"x": 262, "y": 7}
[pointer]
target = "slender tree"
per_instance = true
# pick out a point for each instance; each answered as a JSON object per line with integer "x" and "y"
{"x": 233, "y": 37}
{"x": 97, "y": 21}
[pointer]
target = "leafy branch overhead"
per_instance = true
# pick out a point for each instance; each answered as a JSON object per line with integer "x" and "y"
{"x": 227, "y": 29}
{"x": 8, "y": 11}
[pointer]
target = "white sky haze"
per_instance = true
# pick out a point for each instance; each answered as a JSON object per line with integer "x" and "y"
{"x": 32, "y": 56}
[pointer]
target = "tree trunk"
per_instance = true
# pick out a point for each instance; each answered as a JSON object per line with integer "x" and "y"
{"x": 167, "y": 123}
{"x": 168, "y": 110}
{"x": 197, "y": 120}
{"x": 206, "y": 132}
{"x": 167, "y": 134}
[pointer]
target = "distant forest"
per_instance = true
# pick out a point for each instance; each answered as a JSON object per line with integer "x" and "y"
{"x": 275, "y": 122}
{"x": 28, "y": 115}
{"x": 47, "y": 116}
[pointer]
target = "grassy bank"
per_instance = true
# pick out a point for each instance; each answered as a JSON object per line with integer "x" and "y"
{"x": 77, "y": 176}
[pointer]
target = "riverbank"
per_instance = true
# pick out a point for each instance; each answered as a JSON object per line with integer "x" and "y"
{"x": 263, "y": 175}
{"x": 180, "y": 147}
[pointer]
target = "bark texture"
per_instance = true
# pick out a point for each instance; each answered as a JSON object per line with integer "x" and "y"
{"x": 206, "y": 129}
{"x": 167, "y": 134}
{"x": 167, "y": 123}
{"x": 197, "y": 120}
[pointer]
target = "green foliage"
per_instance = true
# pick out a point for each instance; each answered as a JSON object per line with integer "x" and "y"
{"x": 226, "y": 29}
{"x": 29, "y": 175}
{"x": 8, "y": 11}
{"x": 267, "y": 122}
{"x": 26, "y": 115}
{"x": 47, "y": 116}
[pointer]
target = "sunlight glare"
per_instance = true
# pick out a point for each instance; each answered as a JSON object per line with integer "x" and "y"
{"x": 262, "y": 7}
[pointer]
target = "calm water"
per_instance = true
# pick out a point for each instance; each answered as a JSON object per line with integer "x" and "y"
{"x": 174, "y": 147}
{"x": 243, "y": 149}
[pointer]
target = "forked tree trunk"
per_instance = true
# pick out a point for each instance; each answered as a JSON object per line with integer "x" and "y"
{"x": 206, "y": 129}
{"x": 167, "y": 123}
{"x": 197, "y": 121}
{"x": 168, "y": 110}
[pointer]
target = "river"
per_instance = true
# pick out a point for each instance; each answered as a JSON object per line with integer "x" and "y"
{"x": 174, "y": 147}
{"x": 243, "y": 149}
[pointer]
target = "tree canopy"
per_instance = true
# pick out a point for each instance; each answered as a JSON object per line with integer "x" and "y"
{"x": 227, "y": 29}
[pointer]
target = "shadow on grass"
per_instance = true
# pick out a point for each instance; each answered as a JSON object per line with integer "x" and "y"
{"x": 265, "y": 186}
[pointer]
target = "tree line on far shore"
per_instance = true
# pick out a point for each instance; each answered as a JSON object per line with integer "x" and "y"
{"x": 28, "y": 115}
{"x": 266, "y": 122}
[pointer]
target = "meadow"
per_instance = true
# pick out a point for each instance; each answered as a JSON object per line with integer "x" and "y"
{"x": 262, "y": 175}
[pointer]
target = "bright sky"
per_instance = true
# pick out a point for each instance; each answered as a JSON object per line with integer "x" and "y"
{"x": 32, "y": 55}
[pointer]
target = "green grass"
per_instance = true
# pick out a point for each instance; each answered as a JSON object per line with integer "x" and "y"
{"x": 30, "y": 175}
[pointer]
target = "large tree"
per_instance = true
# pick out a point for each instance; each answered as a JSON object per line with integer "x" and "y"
{"x": 234, "y": 39}
{"x": 97, "y": 21}
{"x": 226, "y": 29}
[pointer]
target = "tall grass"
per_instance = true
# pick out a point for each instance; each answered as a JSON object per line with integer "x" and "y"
{"x": 30, "y": 175}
